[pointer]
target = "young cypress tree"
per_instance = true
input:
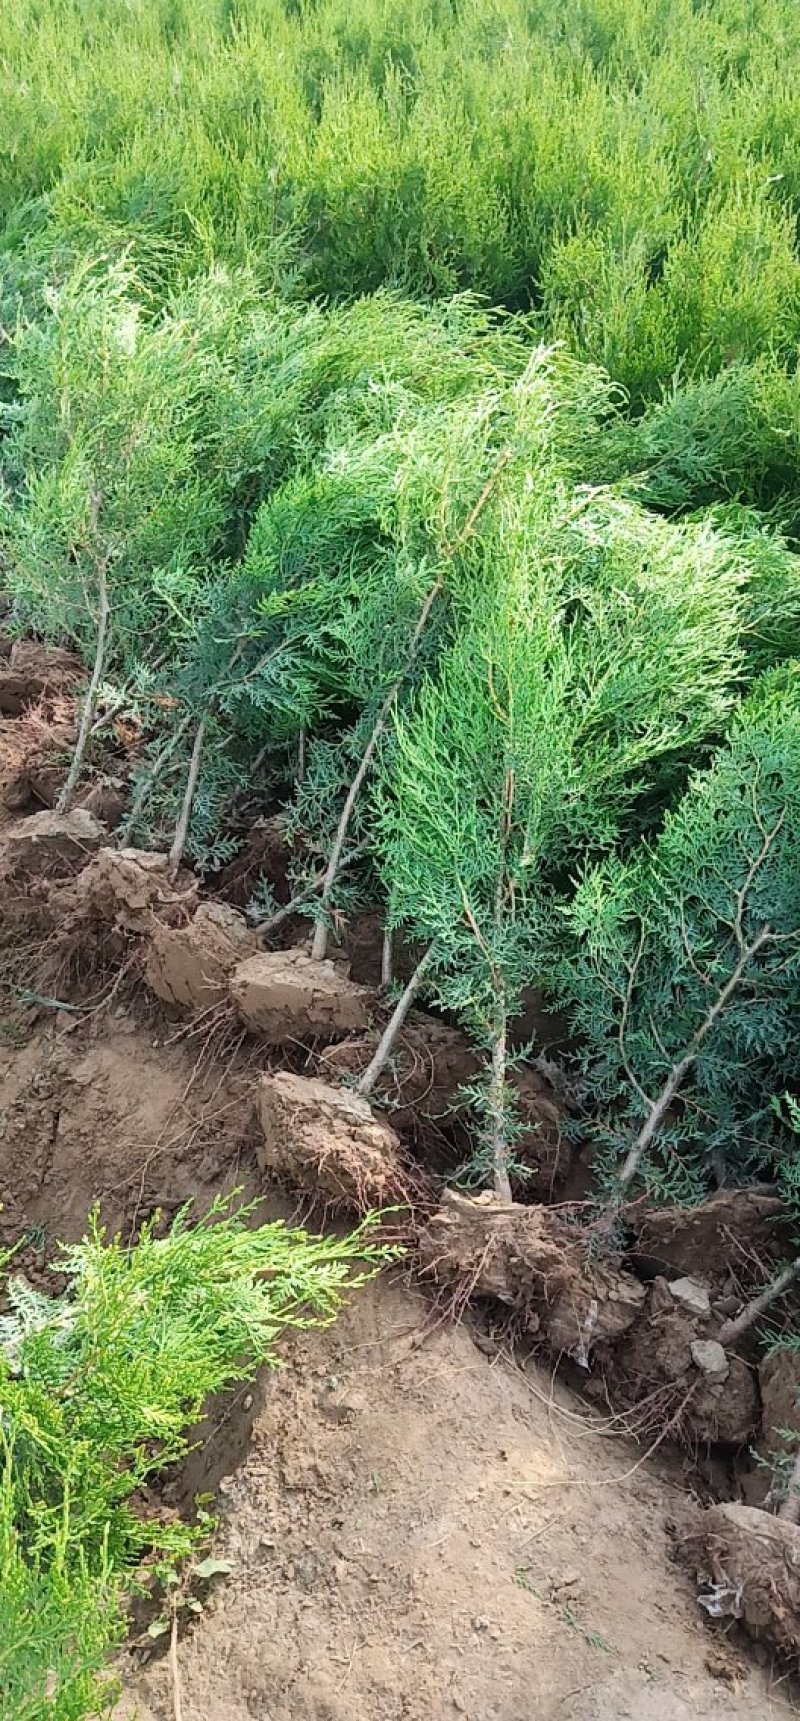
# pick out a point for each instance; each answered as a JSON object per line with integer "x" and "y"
{"x": 601, "y": 646}
{"x": 684, "y": 977}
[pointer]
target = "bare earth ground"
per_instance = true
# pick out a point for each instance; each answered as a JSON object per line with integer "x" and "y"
{"x": 416, "y": 1532}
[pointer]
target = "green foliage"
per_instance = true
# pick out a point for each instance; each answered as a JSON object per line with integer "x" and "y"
{"x": 690, "y": 953}
{"x": 631, "y": 170}
{"x": 100, "y": 1388}
{"x": 602, "y": 646}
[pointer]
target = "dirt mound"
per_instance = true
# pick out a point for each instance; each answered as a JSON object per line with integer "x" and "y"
{"x": 420, "y": 1534}
{"x": 97, "y": 1110}
{"x": 32, "y": 671}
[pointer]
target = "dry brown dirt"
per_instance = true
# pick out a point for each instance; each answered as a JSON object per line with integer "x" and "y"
{"x": 417, "y": 1531}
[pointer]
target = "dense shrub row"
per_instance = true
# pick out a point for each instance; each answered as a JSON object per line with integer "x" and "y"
{"x": 628, "y": 168}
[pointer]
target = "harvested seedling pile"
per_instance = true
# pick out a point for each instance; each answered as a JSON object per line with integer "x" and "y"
{"x": 400, "y": 671}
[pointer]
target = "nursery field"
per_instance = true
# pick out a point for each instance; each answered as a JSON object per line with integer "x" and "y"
{"x": 400, "y": 732}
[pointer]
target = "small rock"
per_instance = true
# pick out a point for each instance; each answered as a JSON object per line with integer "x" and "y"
{"x": 710, "y": 1357}
{"x": 689, "y": 1294}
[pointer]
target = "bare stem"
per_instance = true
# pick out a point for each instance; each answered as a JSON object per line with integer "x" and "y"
{"x": 741, "y": 1323}
{"x": 177, "y": 1707}
{"x": 387, "y": 961}
{"x": 660, "y": 1106}
{"x": 90, "y": 701}
{"x": 789, "y": 1510}
{"x": 182, "y": 827}
{"x": 383, "y": 1051}
{"x": 497, "y": 1111}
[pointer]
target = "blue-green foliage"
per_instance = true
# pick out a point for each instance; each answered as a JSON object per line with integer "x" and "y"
{"x": 699, "y": 934}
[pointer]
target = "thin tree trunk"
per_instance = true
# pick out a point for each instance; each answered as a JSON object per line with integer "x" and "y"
{"x": 320, "y": 943}
{"x": 182, "y": 827}
{"x": 387, "y": 960}
{"x": 497, "y": 1110}
{"x": 789, "y": 1510}
{"x": 383, "y": 1051}
{"x": 680, "y": 1070}
{"x": 741, "y": 1323}
{"x": 90, "y": 701}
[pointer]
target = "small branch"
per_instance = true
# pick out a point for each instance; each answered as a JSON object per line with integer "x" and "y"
{"x": 383, "y": 1052}
{"x": 320, "y": 944}
{"x": 87, "y": 715}
{"x": 387, "y": 960}
{"x": 789, "y": 1510}
{"x": 182, "y": 827}
{"x": 680, "y": 1070}
{"x": 734, "y": 1329}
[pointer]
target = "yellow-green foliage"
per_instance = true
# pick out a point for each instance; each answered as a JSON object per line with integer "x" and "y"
{"x": 99, "y": 1389}
{"x": 631, "y": 167}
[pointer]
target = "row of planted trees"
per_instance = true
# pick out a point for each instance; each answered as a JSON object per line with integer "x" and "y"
{"x": 398, "y": 571}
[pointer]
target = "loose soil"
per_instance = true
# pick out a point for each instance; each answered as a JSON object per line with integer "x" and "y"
{"x": 416, "y": 1529}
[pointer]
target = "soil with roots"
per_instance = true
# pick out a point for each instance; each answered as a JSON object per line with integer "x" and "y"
{"x": 422, "y": 1518}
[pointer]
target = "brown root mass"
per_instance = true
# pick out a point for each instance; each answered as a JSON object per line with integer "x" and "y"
{"x": 727, "y": 1232}
{"x": 750, "y": 1562}
{"x": 32, "y": 671}
{"x": 322, "y": 1138}
{"x": 422, "y": 1091}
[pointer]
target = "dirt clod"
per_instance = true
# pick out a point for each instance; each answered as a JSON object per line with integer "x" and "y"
{"x": 657, "y": 1357}
{"x": 689, "y": 1294}
{"x": 191, "y": 965}
{"x": 129, "y": 889}
{"x": 326, "y": 1139}
{"x": 710, "y": 1357}
{"x": 51, "y": 845}
{"x": 284, "y": 995}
